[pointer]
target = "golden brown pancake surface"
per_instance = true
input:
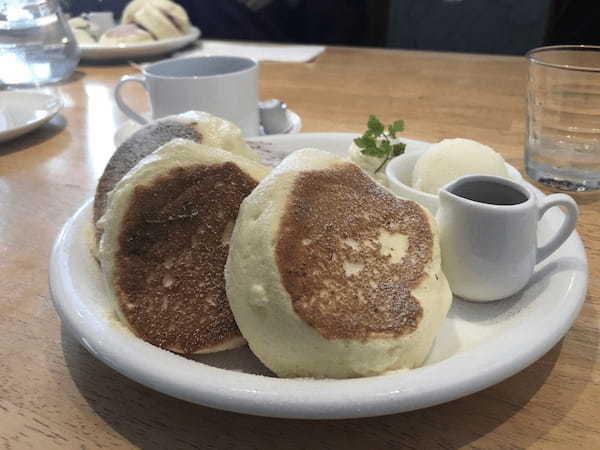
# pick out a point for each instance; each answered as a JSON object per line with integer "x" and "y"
{"x": 173, "y": 246}
{"x": 137, "y": 147}
{"x": 332, "y": 256}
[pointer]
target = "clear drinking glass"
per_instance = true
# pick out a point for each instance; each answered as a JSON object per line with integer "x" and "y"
{"x": 36, "y": 43}
{"x": 562, "y": 147}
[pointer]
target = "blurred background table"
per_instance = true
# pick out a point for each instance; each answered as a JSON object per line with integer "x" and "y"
{"x": 54, "y": 394}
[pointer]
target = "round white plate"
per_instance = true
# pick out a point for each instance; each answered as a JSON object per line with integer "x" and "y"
{"x": 478, "y": 346}
{"x": 99, "y": 52}
{"x": 131, "y": 126}
{"x": 24, "y": 111}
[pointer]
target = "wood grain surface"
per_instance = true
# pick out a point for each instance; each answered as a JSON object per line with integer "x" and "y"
{"x": 54, "y": 394}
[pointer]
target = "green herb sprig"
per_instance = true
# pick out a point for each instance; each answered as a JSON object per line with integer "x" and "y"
{"x": 377, "y": 140}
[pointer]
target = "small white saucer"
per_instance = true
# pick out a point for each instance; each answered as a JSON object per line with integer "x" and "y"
{"x": 130, "y": 126}
{"x": 24, "y": 111}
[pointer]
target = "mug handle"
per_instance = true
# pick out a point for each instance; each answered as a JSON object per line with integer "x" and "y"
{"x": 571, "y": 213}
{"x": 121, "y": 103}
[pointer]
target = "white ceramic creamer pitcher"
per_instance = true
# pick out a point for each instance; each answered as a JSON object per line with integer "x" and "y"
{"x": 488, "y": 235}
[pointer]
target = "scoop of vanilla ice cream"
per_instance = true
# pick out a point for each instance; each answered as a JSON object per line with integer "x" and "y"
{"x": 450, "y": 159}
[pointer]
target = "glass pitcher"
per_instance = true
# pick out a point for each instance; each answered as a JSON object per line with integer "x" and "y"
{"x": 36, "y": 43}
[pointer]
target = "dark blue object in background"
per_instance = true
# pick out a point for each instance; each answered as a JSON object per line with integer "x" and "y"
{"x": 481, "y": 26}
{"x": 478, "y": 26}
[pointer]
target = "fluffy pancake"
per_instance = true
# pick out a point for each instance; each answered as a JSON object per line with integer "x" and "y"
{"x": 85, "y": 32}
{"x": 156, "y": 22}
{"x": 329, "y": 275}
{"x": 83, "y": 36}
{"x": 165, "y": 239}
{"x": 197, "y": 126}
{"x": 125, "y": 34}
{"x": 162, "y": 18}
{"x": 131, "y": 8}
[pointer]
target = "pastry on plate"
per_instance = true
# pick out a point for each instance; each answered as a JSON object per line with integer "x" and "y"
{"x": 197, "y": 126}
{"x": 162, "y": 18}
{"x": 164, "y": 243}
{"x": 83, "y": 36}
{"x": 331, "y": 276}
{"x": 83, "y": 30}
{"x": 125, "y": 34}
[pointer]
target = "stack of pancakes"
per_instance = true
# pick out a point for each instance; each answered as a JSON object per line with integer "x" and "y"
{"x": 319, "y": 268}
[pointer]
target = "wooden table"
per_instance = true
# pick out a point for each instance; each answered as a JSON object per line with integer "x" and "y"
{"x": 54, "y": 394}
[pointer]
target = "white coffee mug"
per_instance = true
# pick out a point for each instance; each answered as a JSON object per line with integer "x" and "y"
{"x": 226, "y": 86}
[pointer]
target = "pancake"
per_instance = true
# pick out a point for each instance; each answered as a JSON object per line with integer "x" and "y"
{"x": 162, "y": 18}
{"x": 164, "y": 243}
{"x": 125, "y": 34}
{"x": 156, "y": 23}
{"x": 331, "y": 276}
{"x": 79, "y": 23}
{"x": 131, "y": 8}
{"x": 84, "y": 31}
{"x": 83, "y": 36}
{"x": 197, "y": 126}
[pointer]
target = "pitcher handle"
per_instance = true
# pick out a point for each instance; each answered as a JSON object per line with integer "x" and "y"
{"x": 121, "y": 103}
{"x": 567, "y": 226}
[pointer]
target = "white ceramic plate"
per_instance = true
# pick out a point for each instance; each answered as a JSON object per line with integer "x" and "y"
{"x": 478, "y": 346}
{"x": 99, "y": 52}
{"x": 131, "y": 126}
{"x": 24, "y": 111}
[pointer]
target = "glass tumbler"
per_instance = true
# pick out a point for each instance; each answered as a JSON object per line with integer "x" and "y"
{"x": 36, "y": 43}
{"x": 562, "y": 147}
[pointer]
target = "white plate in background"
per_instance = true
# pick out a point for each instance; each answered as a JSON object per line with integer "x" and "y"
{"x": 100, "y": 52}
{"x": 24, "y": 111}
{"x": 480, "y": 344}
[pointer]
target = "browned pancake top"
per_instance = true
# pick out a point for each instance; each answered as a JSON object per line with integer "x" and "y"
{"x": 172, "y": 250}
{"x": 137, "y": 147}
{"x": 171, "y": 19}
{"x": 333, "y": 218}
{"x": 121, "y": 31}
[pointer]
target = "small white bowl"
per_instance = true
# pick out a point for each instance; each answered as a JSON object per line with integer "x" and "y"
{"x": 399, "y": 172}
